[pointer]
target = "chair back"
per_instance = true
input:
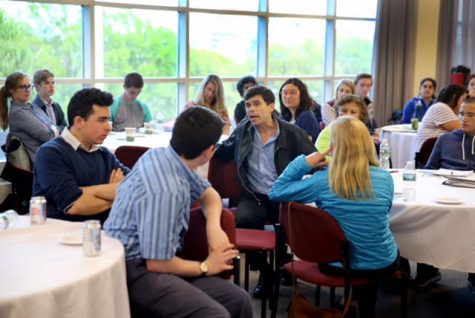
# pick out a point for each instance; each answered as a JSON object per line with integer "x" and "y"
{"x": 223, "y": 177}
{"x": 422, "y": 157}
{"x": 313, "y": 234}
{"x": 195, "y": 246}
{"x": 128, "y": 155}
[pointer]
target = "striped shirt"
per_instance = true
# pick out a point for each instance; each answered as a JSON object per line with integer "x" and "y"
{"x": 151, "y": 212}
{"x": 437, "y": 115}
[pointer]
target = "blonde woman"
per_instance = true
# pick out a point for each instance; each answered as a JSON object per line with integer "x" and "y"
{"x": 357, "y": 193}
{"x": 344, "y": 87}
{"x": 210, "y": 94}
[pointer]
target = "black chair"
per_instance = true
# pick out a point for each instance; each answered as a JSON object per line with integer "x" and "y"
{"x": 422, "y": 157}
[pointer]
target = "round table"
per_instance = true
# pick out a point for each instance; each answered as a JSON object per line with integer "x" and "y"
{"x": 40, "y": 277}
{"x": 402, "y": 140}
{"x": 430, "y": 232}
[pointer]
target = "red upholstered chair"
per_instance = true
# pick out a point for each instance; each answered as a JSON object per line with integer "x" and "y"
{"x": 195, "y": 245}
{"x": 128, "y": 155}
{"x": 315, "y": 237}
{"x": 422, "y": 157}
{"x": 223, "y": 177}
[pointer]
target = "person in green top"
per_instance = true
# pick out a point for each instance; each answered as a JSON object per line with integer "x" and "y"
{"x": 127, "y": 110}
{"x": 351, "y": 105}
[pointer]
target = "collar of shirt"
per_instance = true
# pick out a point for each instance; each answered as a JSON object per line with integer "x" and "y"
{"x": 75, "y": 143}
{"x": 171, "y": 153}
{"x": 257, "y": 136}
{"x": 46, "y": 103}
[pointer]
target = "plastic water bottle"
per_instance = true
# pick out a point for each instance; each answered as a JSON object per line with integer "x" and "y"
{"x": 409, "y": 182}
{"x": 384, "y": 154}
{"x": 8, "y": 219}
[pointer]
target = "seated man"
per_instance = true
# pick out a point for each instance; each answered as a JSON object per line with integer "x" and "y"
{"x": 456, "y": 151}
{"x": 151, "y": 214}
{"x": 127, "y": 110}
{"x": 44, "y": 85}
{"x": 78, "y": 177}
{"x": 262, "y": 146}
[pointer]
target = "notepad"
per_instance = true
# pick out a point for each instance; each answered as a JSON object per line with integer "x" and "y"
{"x": 453, "y": 173}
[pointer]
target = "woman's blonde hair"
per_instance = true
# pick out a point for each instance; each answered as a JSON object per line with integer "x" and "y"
{"x": 353, "y": 152}
{"x": 218, "y": 104}
{"x": 346, "y": 82}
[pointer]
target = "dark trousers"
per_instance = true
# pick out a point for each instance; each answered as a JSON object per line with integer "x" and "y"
{"x": 166, "y": 295}
{"x": 366, "y": 294}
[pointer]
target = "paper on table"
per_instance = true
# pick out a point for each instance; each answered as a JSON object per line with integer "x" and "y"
{"x": 454, "y": 173}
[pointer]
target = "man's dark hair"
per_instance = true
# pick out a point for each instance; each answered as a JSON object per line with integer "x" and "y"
{"x": 243, "y": 81}
{"x": 133, "y": 80}
{"x": 259, "y": 90}
{"x": 196, "y": 129}
{"x": 360, "y": 76}
{"x": 82, "y": 101}
{"x": 451, "y": 94}
{"x": 469, "y": 100}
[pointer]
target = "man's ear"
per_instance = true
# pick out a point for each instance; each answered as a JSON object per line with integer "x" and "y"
{"x": 78, "y": 121}
{"x": 37, "y": 87}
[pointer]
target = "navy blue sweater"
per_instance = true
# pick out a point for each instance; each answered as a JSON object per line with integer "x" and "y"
{"x": 60, "y": 171}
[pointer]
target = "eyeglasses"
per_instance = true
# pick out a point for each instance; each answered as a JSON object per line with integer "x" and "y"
{"x": 25, "y": 87}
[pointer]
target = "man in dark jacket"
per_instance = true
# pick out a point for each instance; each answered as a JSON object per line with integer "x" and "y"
{"x": 262, "y": 146}
{"x": 44, "y": 85}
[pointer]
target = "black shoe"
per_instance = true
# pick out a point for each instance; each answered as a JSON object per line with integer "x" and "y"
{"x": 264, "y": 286}
{"x": 258, "y": 291}
{"x": 285, "y": 278}
{"x": 424, "y": 281}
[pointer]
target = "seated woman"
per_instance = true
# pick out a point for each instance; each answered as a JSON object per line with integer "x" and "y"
{"x": 417, "y": 106}
{"x": 442, "y": 116}
{"x": 351, "y": 105}
{"x": 344, "y": 87}
{"x": 358, "y": 194}
{"x": 210, "y": 94}
{"x": 26, "y": 121}
{"x": 295, "y": 105}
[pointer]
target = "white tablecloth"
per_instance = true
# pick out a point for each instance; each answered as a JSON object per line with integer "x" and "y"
{"x": 402, "y": 141}
{"x": 155, "y": 140}
{"x": 39, "y": 277}
{"x": 429, "y": 232}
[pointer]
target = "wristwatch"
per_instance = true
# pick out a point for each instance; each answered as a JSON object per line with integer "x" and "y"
{"x": 203, "y": 268}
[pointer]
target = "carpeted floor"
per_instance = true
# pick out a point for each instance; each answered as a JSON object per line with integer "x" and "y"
{"x": 448, "y": 298}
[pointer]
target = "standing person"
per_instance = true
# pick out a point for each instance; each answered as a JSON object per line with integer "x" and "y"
{"x": 417, "y": 106}
{"x": 262, "y": 146}
{"x": 363, "y": 84}
{"x": 210, "y": 94}
{"x": 151, "y": 214}
{"x": 77, "y": 176}
{"x": 295, "y": 105}
{"x": 358, "y": 194}
{"x": 26, "y": 121}
{"x": 442, "y": 116}
{"x": 127, "y": 110}
{"x": 242, "y": 86}
{"x": 329, "y": 113}
{"x": 44, "y": 85}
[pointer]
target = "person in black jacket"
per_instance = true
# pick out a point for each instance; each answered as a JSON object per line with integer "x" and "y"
{"x": 44, "y": 85}
{"x": 262, "y": 146}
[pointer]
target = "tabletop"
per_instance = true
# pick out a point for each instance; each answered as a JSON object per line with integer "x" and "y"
{"x": 40, "y": 277}
{"x": 437, "y": 228}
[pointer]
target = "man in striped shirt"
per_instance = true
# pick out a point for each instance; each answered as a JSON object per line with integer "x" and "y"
{"x": 150, "y": 217}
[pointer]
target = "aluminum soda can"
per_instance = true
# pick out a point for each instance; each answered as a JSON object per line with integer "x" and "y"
{"x": 37, "y": 210}
{"x": 91, "y": 238}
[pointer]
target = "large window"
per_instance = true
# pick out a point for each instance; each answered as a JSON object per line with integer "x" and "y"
{"x": 174, "y": 44}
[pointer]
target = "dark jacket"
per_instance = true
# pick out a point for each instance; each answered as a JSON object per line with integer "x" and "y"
{"x": 291, "y": 142}
{"x": 58, "y": 112}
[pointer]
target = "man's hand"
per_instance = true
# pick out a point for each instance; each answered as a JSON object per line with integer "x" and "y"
{"x": 221, "y": 259}
{"x": 117, "y": 176}
{"x": 317, "y": 159}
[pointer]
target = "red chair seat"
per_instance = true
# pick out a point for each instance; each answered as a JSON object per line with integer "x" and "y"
{"x": 254, "y": 240}
{"x": 310, "y": 272}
